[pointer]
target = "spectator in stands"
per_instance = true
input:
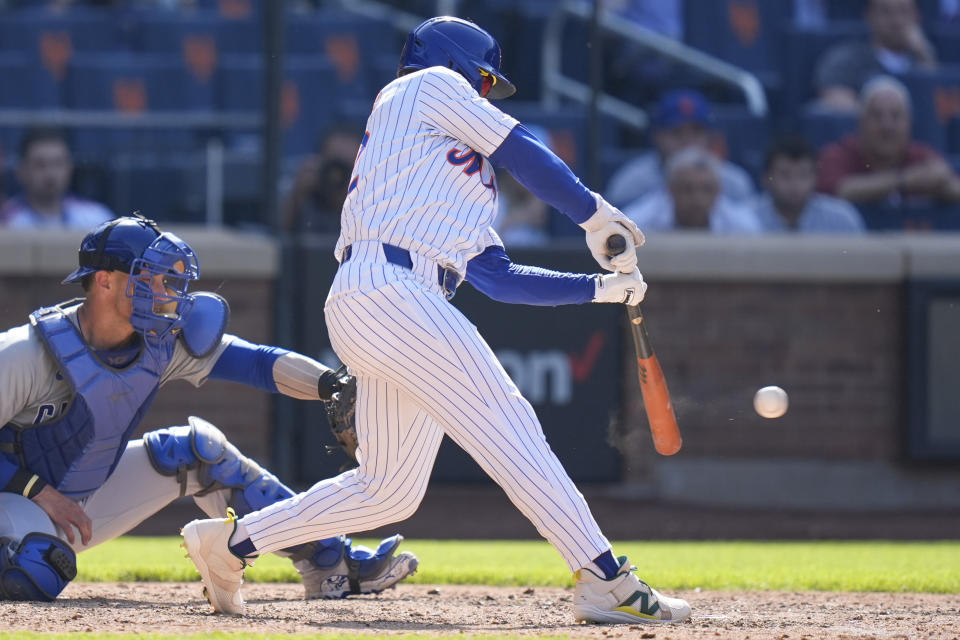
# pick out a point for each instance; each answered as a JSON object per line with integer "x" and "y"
{"x": 44, "y": 172}
{"x": 790, "y": 203}
{"x": 880, "y": 163}
{"x": 321, "y": 182}
{"x": 692, "y": 199}
{"x": 897, "y": 45}
{"x": 524, "y": 218}
{"x": 680, "y": 120}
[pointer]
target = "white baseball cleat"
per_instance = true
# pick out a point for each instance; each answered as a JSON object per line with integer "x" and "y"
{"x": 207, "y": 544}
{"x": 623, "y": 599}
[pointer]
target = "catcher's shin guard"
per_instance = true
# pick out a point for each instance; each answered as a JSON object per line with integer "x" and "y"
{"x": 334, "y": 568}
{"x": 175, "y": 451}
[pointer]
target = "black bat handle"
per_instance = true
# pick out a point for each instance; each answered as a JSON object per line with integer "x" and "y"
{"x": 616, "y": 244}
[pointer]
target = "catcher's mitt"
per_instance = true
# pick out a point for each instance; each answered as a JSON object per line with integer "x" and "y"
{"x": 341, "y": 409}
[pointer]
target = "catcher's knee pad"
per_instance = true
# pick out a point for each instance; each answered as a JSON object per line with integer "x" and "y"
{"x": 219, "y": 464}
{"x": 37, "y": 567}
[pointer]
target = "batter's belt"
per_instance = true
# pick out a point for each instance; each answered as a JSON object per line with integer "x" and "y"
{"x": 447, "y": 278}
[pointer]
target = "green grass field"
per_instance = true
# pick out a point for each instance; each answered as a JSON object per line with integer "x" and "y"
{"x": 932, "y": 567}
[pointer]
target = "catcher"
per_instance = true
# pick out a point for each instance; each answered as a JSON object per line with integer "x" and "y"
{"x": 77, "y": 379}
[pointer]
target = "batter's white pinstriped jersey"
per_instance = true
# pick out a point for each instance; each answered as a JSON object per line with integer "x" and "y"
{"x": 423, "y": 183}
{"x": 422, "y": 180}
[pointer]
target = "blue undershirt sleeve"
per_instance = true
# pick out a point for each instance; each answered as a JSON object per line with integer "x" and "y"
{"x": 248, "y": 363}
{"x": 496, "y": 276}
{"x": 544, "y": 174}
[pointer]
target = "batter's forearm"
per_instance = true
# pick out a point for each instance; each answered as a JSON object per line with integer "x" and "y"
{"x": 496, "y": 276}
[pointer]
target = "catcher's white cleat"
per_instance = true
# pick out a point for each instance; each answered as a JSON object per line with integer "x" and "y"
{"x": 208, "y": 544}
{"x": 623, "y": 599}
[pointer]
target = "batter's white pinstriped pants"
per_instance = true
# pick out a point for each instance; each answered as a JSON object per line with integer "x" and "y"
{"x": 423, "y": 370}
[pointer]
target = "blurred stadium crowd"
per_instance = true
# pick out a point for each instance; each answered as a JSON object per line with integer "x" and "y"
{"x": 127, "y": 103}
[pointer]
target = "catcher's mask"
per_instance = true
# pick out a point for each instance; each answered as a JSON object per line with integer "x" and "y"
{"x": 460, "y": 45}
{"x": 160, "y": 266}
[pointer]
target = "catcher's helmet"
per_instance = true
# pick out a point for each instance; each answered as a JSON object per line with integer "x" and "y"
{"x": 135, "y": 245}
{"x": 462, "y": 46}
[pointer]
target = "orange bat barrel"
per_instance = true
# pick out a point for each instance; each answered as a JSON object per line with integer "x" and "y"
{"x": 653, "y": 385}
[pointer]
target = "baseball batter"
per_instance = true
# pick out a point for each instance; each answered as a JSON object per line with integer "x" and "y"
{"x": 74, "y": 384}
{"x": 417, "y": 221}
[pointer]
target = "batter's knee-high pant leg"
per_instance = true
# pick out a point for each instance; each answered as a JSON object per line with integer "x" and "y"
{"x": 397, "y": 445}
{"x": 429, "y": 355}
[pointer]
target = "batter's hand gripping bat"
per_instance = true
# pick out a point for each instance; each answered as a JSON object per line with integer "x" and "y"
{"x": 656, "y": 396}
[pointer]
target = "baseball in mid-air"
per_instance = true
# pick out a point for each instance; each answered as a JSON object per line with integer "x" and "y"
{"x": 770, "y": 402}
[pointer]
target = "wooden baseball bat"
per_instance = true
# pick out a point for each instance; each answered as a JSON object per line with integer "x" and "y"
{"x": 653, "y": 385}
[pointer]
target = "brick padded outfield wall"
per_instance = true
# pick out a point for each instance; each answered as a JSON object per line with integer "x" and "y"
{"x": 836, "y": 348}
{"x": 244, "y": 415}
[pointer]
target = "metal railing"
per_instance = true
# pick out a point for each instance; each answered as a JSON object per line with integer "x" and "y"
{"x": 557, "y": 85}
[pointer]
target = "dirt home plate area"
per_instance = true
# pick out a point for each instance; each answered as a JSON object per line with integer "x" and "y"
{"x": 173, "y": 608}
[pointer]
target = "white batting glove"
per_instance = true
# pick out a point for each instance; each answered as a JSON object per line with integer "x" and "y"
{"x": 608, "y": 221}
{"x": 626, "y": 288}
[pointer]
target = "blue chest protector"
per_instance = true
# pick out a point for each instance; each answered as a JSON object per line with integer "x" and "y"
{"x": 77, "y": 452}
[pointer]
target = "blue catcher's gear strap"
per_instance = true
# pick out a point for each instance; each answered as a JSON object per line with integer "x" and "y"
{"x": 38, "y": 567}
{"x": 100, "y": 261}
{"x": 205, "y": 323}
{"x": 219, "y": 464}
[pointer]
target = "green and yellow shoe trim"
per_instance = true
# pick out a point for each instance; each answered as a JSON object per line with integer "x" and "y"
{"x": 646, "y": 608}
{"x": 232, "y": 519}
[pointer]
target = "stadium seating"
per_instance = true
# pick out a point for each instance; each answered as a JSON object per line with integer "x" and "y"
{"x": 146, "y": 59}
{"x": 804, "y": 47}
{"x": 175, "y": 32}
{"x": 823, "y": 127}
{"x": 919, "y": 217}
{"x": 26, "y": 84}
{"x": 134, "y": 84}
{"x": 744, "y": 137}
{"x": 746, "y": 33}
{"x": 936, "y": 104}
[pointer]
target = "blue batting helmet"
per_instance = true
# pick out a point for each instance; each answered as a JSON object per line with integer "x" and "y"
{"x": 137, "y": 246}
{"x": 462, "y": 46}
